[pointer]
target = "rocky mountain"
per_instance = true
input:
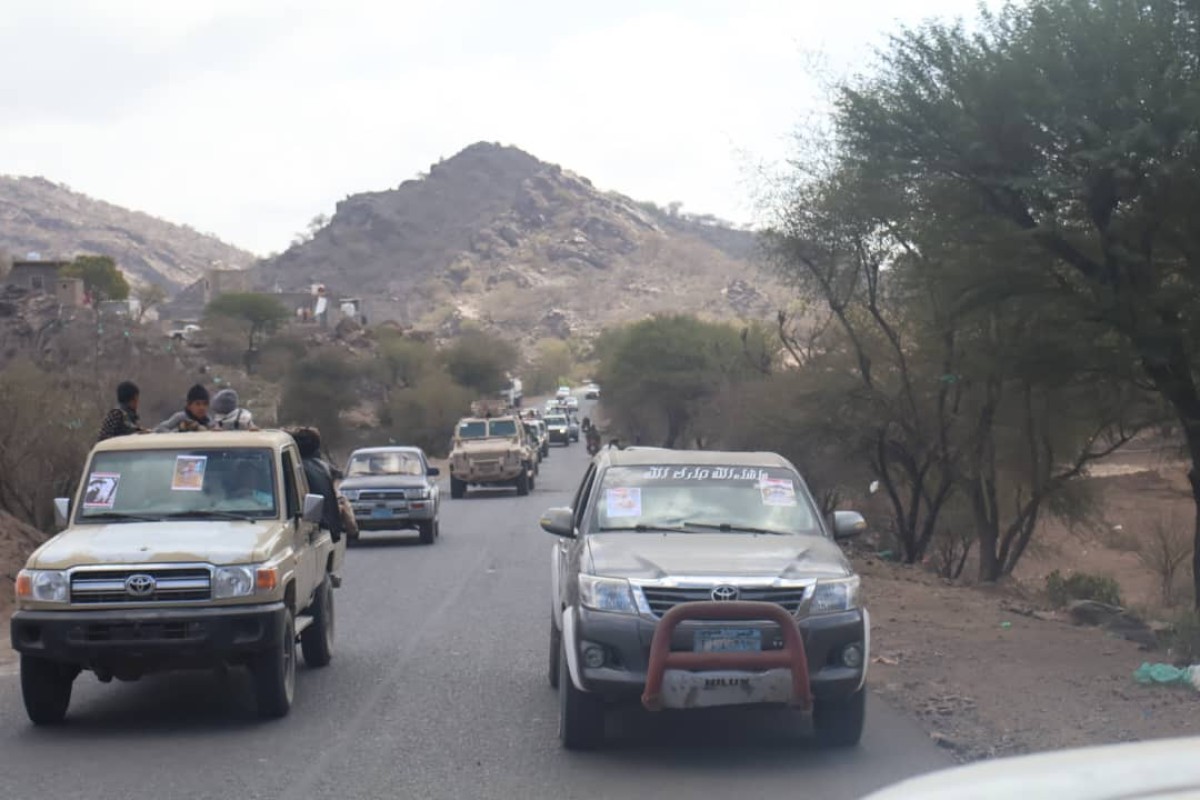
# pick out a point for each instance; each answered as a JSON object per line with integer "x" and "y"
{"x": 523, "y": 247}
{"x": 37, "y": 215}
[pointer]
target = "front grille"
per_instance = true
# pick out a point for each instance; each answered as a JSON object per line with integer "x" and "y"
{"x": 663, "y": 599}
{"x": 382, "y": 494}
{"x": 146, "y": 632}
{"x": 171, "y": 585}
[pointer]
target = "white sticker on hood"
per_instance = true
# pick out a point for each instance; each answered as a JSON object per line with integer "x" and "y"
{"x": 623, "y": 502}
{"x": 777, "y": 492}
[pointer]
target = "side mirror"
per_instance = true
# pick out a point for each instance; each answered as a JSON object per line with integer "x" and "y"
{"x": 314, "y": 508}
{"x": 433, "y": 472}
{"x": 560, "y": 522}
{"x": 62, "y": 511}
{"x": 848, "y": 524}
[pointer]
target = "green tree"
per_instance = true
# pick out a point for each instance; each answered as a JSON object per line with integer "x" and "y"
{"x": 316, "y": 392}
{"x": 480, "y": 361}
{"x": 552, "y": 361}
{"x": 100, "y": 275}
{"x": 258, "y": 313}
{"x": 1070, "y": 126}
{"x": 402, "y": 360}
{"x": 424, "y": 415}
{"x": 659, "y": 373}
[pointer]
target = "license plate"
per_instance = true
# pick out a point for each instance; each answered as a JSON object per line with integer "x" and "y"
{"x": 381, "y": 513}
{"x": 727, "y": 640}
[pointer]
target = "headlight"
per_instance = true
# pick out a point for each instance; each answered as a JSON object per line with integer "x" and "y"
{"x": 233, "y": 582}
{"x": 833, "y": 596}
{"x": 44, "y": 586}
{"x": 417, "y": 494}
{"x": 606, "y": 594}
{"x": 350, "y": 494}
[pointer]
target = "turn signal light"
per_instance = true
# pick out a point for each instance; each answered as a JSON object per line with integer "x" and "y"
{"x": 266, "y": 579}
{"x": 24, "y": 585}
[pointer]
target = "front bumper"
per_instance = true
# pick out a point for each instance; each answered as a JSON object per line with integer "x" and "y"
{"x": 560, "y": 436}
{"x": 627, "y": 639}
{"x": 387, "y": 516}
{"x": 157, "y": 638}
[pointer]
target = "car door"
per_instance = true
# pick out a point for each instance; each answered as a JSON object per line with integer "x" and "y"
{"x": 305, "y": 533}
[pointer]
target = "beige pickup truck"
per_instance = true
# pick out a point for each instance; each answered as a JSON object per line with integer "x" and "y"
{"x": 492, "y": 452}
{"x": 180, "y": 551}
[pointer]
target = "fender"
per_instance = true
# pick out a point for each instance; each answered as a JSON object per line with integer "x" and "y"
{"x": 568, "y": 628}
{"x": 866, "y": 646}
{"x": 555, "y": 602}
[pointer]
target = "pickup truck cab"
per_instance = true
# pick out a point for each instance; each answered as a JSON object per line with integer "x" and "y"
{"x": 688, "y": 579}
{"x": 180, "y": 551}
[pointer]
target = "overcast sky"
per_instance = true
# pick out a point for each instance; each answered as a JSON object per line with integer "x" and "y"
{"x": 246, "y": 118}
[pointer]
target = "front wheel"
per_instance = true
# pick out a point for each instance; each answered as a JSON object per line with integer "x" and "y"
{"x": 555, "y": 653}
{"x": 427, "y": 530}
{"x": 838, "y": 722}
{"x": 458, "y": 489}
{"x": 46, "y": 689}
{"x": 317, "y": 640}
{"x": 523, "y": 484}
{"x": 275, "y": 673}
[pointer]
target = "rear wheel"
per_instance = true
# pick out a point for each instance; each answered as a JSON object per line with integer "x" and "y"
{"x": 458, "y": 489}
{"x": 317, "y": 640}
{"x": 580, "y": 714}
{"x": 838, "y": 722}
{"x": 275, "y": 673}
{"x": 427, "y": 530}
{"x": 46, "y": 689}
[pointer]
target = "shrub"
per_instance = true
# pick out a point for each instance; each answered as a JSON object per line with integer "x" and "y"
{"x": 1183, "y": 638}
{"x": 424, "y": 415}
{"x": 1082, "y": 586}
{"x": 1165, "y": 551}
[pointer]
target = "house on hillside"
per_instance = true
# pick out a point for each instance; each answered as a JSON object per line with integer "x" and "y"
{"x": 36, "y": 275}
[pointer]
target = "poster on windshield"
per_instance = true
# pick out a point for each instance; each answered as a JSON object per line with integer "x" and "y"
{"x": 189, "y": 473}
{"x": 623, "y": 502}
{"x": 101, "y": 490}
{"x": 777, "y": 492}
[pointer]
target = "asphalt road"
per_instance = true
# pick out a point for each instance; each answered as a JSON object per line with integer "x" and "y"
{"x": 437, "y": 690}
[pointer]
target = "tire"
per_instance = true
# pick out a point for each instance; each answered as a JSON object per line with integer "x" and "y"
{"x": 317, "y": 640}
{"x": 555, "y": 653}
{"x": 458, "y": 489}
{"x": 523, "y": 481}
{"x": 46, "y": 689}
{"x": 427, "y": 531}
{"x": 580, "y": 714}
{"x": 839, "y": 722}
{"x": 275, "y": 673}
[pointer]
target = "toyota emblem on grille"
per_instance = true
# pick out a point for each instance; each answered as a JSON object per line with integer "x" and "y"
{"x": 140, "y": 585}
{"x": 725, "y": 593}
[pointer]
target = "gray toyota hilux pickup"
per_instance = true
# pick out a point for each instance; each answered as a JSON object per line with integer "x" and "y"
{"x": 690, "y": 579}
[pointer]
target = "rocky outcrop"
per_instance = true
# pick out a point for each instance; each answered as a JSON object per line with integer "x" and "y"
{"x": 37, "y": 215}
{"x": 528, "y": 249}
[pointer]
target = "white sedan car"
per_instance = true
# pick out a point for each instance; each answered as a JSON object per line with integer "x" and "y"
{"x": 1168, "y": 769}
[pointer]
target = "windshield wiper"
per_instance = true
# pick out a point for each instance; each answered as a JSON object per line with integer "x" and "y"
{"x": 118, "y": 516}
{"x": 727, "y": 527}
{"x": 642, "y": 529}
{"x": 202, "y": 513}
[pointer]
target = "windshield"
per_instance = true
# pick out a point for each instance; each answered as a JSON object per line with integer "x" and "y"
{"x": 704, "y": 497}
{"x": 557, "y": 421}
{"x": 388, "y": 463}
{"x": 157, "y": 484}
{"x": 475, "y": 429}
{"x": 502, "y": 427}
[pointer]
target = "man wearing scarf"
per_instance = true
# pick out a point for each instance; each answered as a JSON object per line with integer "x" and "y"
{"x": 123, "y": 420}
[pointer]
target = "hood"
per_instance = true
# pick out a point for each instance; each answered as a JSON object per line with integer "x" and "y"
{"x": 384, "y": 482}
{"x": 208, "y": 541}
{"x": 660, "y": 555}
